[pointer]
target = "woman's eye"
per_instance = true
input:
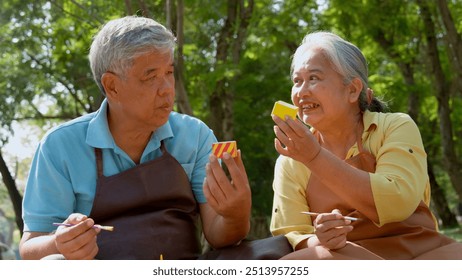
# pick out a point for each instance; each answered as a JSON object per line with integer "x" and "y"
{"x": 313, "y": 77}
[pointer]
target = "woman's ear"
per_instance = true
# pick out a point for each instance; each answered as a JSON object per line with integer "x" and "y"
{"x": 109, "y": 82}
{"x": 356, "y": 86}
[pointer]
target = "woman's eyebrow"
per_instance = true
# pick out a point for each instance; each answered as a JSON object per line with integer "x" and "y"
{"x": 313, "y": 70}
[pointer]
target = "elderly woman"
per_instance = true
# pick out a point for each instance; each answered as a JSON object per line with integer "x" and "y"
{"x": 361, "y": 173}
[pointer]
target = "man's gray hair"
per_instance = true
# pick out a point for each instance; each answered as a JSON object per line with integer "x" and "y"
{"x": 122, "y": 40}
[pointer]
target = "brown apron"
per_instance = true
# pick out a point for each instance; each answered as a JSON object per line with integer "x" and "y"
{"x": 409, "y": 239}
{"x": 152, "y": 209}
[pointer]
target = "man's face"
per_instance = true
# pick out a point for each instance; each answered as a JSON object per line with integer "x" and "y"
{"x": 145, "y": 95}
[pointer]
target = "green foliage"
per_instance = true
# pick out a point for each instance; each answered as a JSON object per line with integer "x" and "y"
{"x": 45, "y": 72}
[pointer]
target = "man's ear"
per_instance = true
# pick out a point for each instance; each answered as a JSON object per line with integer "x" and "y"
{"x": 109, "y": 82}
{"x": 356, "y": 86}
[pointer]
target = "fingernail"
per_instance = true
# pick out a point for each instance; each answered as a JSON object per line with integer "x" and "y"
{"x": 226, "y": 155}
{"x": 212, "y": 158}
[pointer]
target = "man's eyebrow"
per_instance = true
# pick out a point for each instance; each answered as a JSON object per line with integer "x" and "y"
{"x": 150, "y": 70}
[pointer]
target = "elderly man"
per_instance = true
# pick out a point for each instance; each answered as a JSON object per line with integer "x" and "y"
{"x": 134, "y": 165}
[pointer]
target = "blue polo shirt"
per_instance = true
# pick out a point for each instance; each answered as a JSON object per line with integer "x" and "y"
{"x": 62, "y": 177}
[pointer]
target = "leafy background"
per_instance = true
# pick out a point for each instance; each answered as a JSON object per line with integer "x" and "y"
{"x": 235, "y": 58}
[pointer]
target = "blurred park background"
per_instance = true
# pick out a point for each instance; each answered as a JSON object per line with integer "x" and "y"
{"x": 232, "y": 63}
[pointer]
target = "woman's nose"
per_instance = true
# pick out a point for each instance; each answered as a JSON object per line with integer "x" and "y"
{"x": 302, "y": 91}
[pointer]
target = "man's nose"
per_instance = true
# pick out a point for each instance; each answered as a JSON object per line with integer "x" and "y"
{"x": 167, "y": 86}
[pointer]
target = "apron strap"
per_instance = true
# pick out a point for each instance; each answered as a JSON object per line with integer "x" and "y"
{"x": 162, "y": 147}
{"x": 99, "y": 161}
{"x": 99, "y": 158}
{"x": 359, "y": 136}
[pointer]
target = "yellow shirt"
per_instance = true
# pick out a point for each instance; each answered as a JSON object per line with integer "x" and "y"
{"x": 398, "y": 185}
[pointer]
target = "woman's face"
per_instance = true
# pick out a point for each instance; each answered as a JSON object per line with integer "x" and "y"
{"x": 318, "y": 90}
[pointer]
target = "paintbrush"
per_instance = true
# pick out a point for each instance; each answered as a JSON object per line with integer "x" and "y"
{"x": 345, "y": 217}
{"x": 108, "y": 228}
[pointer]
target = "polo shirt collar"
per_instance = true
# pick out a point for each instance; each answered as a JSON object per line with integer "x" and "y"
{"x": 98, "y": 134}
{"x": 370, "y": 120}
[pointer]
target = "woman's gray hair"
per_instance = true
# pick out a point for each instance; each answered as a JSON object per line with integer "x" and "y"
{"x": 122, "y": 40}
{"x": 346, "y": 59}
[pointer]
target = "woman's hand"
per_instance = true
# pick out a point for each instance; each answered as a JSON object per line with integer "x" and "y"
{"x": 295, "y": 140}
{"x": 77, "y": 242}
{"x": 331, "y": 229}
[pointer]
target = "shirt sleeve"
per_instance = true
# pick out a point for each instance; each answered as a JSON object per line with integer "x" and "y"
{"x": 49, "y": 195}
{"x": 289, "y": 185}
{"x": 400, "y": 182}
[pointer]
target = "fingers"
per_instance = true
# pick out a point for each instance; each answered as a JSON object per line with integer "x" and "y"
{"x": 279, "y": 148}
{"x": 237, "y": 172}
{"x": 80, "y": 224}
{"x": 212, "y": 190}
{"x": 332, "y": 229}
{"x": 290, "y": 127}
{"x": 82, "y": 247}
{"x": 240, "y": 163}
{"x": 292, "y": 139}
{"x": 223, "y": 194}
{"x": 333, "y": 219}
{"x": 77, "y": 241}
{"x": 217, "y": 178}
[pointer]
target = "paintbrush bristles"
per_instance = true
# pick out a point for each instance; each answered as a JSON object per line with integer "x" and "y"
{"x": 108, "y": 228}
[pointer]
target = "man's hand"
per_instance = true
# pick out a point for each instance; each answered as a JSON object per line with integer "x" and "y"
{"x": 227, "y": 212}
{"x": 77, "y": 242}
{"x": 230, "y": 198}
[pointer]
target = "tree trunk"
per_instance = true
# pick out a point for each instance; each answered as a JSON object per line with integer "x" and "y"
{"x": 175, "y": 22}
{"x": 453, "y": 37}
{"x": 448, "y": 219}
{"x": 217, "y": 111}
{"x": 229, "y": 48}
{"x": 406, "y": 71}
{"x": 442, "y": 84}
{"x": 439, "y": 199}
{"x": 13, "y": 192}
{"x": 144, "y": 9}
{"x": 181, "y": 93}
{"x": 128, "y": 7}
